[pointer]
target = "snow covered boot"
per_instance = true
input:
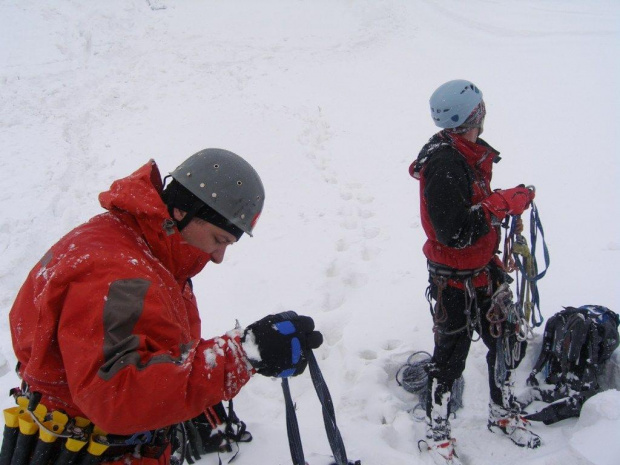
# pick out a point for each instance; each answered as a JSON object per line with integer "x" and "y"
{"x": 442, "y": 452}
{"x": 509, "y": 399}
{"x": 439, "y": 443}
{"x": 512, "y": 425}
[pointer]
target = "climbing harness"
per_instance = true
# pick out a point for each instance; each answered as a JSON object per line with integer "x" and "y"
{"x": 440, "y": 275}
{"x": 35, "y": 436}
{"x": 329, "y": 418}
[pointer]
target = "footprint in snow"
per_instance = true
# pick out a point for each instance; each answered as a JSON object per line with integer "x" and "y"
{"x": 368, "y": 354}
{"x": 341, "y": 245}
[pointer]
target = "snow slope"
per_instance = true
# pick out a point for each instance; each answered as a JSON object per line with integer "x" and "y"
{"x": 328, "y": 100}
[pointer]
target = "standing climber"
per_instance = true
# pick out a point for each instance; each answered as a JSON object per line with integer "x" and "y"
{"x": 461, "y": 217}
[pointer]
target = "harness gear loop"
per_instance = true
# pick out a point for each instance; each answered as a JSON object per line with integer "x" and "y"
{"x": 439, "y": 313}
{"x": 440, "y": 275}
{"x": 499, "y": 310}
{"x": 471, "y": 302}
{"x": 56, "y": 438}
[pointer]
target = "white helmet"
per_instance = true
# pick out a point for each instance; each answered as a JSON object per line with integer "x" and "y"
{"x": 453, "y": 102}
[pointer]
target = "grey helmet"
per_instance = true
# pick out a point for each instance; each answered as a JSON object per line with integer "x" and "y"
{"x": 226, "y": 183}
{"x": 453, "y": 102}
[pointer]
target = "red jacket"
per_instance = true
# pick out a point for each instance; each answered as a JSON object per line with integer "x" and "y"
{"x": 106, "y": 325}
{"x": 455, "y": 176}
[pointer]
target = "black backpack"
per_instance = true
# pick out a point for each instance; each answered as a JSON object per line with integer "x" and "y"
{"x": 576, "y": 344}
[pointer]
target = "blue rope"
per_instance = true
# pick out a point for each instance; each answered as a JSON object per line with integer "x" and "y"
{"x": 536, "y": 229}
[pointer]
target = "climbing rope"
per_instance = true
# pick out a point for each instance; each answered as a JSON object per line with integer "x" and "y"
{"x": 521, "y": 258}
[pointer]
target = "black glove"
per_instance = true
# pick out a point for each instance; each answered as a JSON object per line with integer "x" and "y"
{"x": 275, "y": 345}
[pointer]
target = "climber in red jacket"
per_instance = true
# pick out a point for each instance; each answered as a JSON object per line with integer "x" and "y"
{"x": 461, "y": 217}
{"x": 106, "y": 325}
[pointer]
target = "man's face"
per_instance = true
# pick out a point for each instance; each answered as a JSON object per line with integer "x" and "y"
{"x": 206, "y": 237}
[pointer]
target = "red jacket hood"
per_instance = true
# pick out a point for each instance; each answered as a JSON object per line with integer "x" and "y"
{"x": 136, "y": 200}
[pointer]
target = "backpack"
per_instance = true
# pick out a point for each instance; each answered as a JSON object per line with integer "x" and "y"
{"x": 576, "y": 344}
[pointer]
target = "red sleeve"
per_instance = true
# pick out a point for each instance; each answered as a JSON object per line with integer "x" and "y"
{"x": 130, "y": 361}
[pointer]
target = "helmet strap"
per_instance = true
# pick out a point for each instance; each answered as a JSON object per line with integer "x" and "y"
{"x": 175, "y": 196}
{"x": 189, "y": 215}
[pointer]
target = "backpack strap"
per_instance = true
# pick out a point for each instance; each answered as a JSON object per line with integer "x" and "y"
{"x": 547, "y": 351}
{"x": 576, "y": 331}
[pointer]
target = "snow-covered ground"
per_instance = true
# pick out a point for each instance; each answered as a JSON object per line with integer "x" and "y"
{"x": 328, "y": 100}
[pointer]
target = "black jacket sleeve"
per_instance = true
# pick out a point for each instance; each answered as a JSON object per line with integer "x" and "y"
{"x": 448, "y": 191}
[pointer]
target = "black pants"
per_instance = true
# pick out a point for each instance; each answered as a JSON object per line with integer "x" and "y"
{"x": 452, "y": 345}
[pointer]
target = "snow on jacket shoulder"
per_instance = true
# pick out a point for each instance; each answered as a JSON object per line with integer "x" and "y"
{"x": 455, "y": 177}
{"x": 106, "y": 325}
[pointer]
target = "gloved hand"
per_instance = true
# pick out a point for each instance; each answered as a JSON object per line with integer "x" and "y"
{"x": 275, "y": 345}
{"x": 509, "y": 201}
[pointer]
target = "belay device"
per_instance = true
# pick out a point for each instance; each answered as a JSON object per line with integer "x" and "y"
{"x": 329, "y": 418}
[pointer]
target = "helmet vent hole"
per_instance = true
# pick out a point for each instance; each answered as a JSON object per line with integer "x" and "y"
{"x": 239, "y": 183}
{"x": 216, "y": 166}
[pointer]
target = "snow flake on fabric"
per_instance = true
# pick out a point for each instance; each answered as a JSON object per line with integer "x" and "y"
{"x": 210, "y": 358}
{"x": 250, "y": 347}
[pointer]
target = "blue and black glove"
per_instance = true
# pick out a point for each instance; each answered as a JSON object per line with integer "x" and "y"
{"x": 275, "y": 345}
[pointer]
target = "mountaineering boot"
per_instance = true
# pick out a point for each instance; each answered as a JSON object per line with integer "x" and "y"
{"x": 512, "y": 425}
{"x": 509, "y": 399}
{"x": 439, "y": 443}
{"x": 442, "y": 452}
